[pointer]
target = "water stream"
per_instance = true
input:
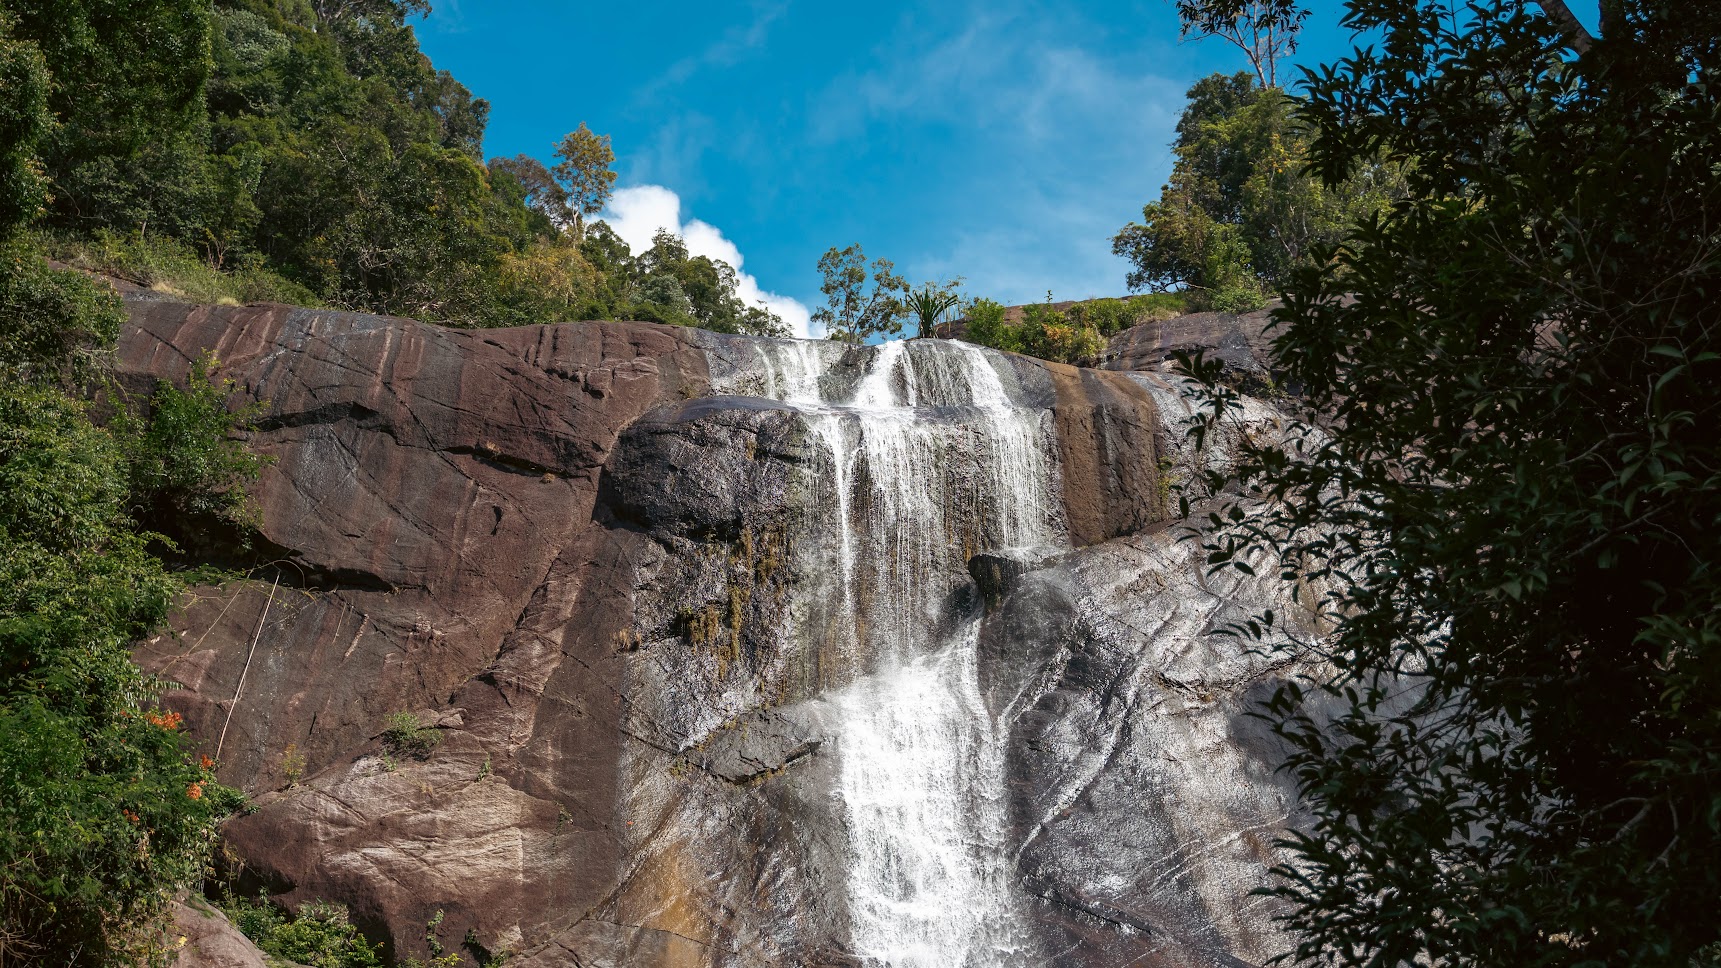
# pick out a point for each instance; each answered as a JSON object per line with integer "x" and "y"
{"x": 927, "y": 460}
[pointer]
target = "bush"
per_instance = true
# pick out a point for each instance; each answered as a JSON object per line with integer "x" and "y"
{"x": 188, "y": 467}
{"x": 321, "y": 935}
{"x": 58, "y": 324}
{"x": 406, "y": 736}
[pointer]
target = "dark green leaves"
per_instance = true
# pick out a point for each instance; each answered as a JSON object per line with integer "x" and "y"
{"x": 1511, "y": 510}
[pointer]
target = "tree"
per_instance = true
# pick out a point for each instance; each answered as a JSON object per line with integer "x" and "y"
{"x": 853, "y": 312}
{"x": 701, "y": 290}
{"x": 1509, "y": 518}
{"x": 127, "y": 91}
{"x": 542, "y": 192}
{"x": 24, "y": 123}
{"x": 584, "y": 172}
{"x": 1240, "y": 211}
{"x": 930, "y": 303}
{"x": 1264, "y": 30}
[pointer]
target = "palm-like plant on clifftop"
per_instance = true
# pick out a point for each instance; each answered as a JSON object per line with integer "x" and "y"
{"x": 930, "y": 303}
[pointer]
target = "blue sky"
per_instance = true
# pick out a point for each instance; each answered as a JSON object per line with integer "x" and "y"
{"x": 1002, "y": 141}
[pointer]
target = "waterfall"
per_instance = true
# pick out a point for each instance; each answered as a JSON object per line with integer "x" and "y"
{"x": 927, "y": 461}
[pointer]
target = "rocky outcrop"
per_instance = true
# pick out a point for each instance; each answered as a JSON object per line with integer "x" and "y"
{"x": 1240, "y": 343}
{"x": 204, "y": 938}
{"x": 584, "y": 557}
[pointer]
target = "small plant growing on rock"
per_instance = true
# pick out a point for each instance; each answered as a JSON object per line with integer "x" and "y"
{"x": 406, "y": 736}
{"x": 292, "y": 764}
{"x": 433, "y": 941}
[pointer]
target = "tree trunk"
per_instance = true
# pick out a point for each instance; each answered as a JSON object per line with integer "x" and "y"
{"x": 1563, "y": 18}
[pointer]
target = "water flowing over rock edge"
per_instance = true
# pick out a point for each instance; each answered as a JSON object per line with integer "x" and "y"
{"x": 632, "y": 747}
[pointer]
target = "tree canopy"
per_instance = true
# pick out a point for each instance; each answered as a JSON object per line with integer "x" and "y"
{"x": 855, "y": 310}
{"x": 305, "y": 150}
{"x": 1240, "y": 211}
{"x": 1509, "y": 512}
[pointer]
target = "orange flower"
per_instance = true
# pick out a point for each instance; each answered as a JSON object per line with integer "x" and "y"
{"x": 194, "y": 791}
{"x": 169, "y": 721}
{"x": 131, "y": 816}
{"x": 208, "y": 763}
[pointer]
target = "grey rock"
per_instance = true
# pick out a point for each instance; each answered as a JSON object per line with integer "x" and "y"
{"x": 757, "y": 745}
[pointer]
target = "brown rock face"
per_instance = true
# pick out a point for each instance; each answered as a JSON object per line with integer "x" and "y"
{"x": 432, "y": 495}
{"x": 598, "y": 567}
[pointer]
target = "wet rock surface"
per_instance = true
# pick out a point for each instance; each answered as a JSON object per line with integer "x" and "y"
{"x": 585, "y": 555}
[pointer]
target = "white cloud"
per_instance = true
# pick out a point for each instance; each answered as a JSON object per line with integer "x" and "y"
{"x": 638, "y": 212}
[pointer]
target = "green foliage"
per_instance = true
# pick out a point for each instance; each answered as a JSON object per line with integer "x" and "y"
{"x": 308, "y": 153}
{"x": 675, "y": 287}
{"x": 1074, "y": 334}
{"x": 929, "y": 303}
{"x": 189, "y": 468}
{"x": 1240, "y": 212}
{"x": 583, "y": 172}
{"x": 1049, "y": 334}
{"x": 24, "y": 123}
{"x": 1512, "y": 517}
{"x": 853, "y": 312}
{"x": 406, "y": 736}
{"x": 102, "y": 812}
{"x": 320, "y": 935}
{"x": 127, "y": 89}
{"x": 58, "y": 324}
{"x": 986, "y": 323}
{"x": 174, "y": 268}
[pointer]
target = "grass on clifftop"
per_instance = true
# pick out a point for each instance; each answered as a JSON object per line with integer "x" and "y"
{"x": 174, "y": 269}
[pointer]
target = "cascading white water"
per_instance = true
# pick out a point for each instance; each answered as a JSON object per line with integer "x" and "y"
{"x": 929, "y": 461}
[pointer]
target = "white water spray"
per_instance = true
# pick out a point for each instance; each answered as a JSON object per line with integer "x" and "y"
{"x": 929, "y": 461}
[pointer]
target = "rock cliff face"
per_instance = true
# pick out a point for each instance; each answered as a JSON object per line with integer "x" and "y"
{"x": 1240, "y": 343}
{"x": 739, "y": 652}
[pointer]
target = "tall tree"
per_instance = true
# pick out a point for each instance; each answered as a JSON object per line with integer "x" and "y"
{"x": 853, "y": 310}
{"x": 1239, "y": 211}
{"x": 1264, "y": 30}
{"x": 542, "y": 191}
{"x": 584, "y": 172}
{"x": 1510, "y": 520}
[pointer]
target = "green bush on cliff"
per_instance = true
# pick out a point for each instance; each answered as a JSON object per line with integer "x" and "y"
{"x": 103, "y": 814}
{"x": 319, "y": 935}
{"x": 1075, "y": 334}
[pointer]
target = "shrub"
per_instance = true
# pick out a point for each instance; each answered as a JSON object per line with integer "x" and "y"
{"x": 188, "y": 466}
{"x": 406, "y": 736}
{"x": 58, "y": 324}
{"x": 320, "y": 935}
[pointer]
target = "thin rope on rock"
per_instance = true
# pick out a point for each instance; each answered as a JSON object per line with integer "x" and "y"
{"x": 240, "y": 688}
